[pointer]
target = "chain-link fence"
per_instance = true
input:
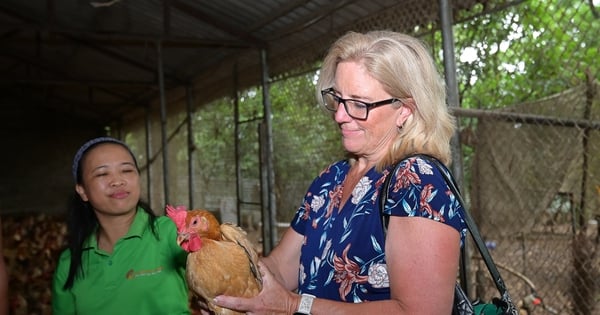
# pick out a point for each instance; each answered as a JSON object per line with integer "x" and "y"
{"x": 534, "y": 193}
{"x": 530, "y": 150}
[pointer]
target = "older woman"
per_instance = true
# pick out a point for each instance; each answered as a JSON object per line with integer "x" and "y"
{"x": 388, "y": 100}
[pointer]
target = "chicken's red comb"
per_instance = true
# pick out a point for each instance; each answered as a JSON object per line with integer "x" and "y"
{"x": 177, "y": 214}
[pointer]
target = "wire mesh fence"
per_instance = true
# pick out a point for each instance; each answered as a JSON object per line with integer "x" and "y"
{"x": 530, "y": 144}
{"x": 534, "y": 192}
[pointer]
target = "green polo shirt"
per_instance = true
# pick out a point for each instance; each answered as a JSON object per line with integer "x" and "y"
{"x": 143, "y": 274}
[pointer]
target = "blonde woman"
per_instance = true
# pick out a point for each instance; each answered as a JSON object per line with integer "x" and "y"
{"x": 385, "y": 94}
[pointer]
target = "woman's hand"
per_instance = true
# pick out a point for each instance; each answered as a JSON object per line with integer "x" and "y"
{"x": 199, "y": 304}
{"x": 273, "y": 299}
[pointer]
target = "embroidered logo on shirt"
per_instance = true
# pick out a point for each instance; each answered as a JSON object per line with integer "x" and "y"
{"x": 132, "y": 274}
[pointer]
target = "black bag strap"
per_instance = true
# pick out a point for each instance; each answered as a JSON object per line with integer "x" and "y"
{"x": 470, "y": 223}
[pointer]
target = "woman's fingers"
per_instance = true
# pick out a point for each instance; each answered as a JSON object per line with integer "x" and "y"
{"x": 273, "y": 299}
{"x": 232, "y": 302}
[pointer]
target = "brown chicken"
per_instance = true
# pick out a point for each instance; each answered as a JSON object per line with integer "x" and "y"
{"x": 221, "y": 259}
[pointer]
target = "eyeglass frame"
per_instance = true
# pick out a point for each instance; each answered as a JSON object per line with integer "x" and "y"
{"x": 368, "y": 106}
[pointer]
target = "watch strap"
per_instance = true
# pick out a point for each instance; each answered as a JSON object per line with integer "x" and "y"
{"x": 306, "y": 301}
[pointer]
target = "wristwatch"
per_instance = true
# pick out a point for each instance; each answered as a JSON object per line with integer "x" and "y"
{"x": 306, "y": 301}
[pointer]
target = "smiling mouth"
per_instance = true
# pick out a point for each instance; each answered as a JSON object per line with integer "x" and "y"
{"x": 346, "y": 132}
{"x": 120, "y": 194}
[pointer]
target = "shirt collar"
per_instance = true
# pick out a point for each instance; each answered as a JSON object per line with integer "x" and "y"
{"x": 136, "y": 229}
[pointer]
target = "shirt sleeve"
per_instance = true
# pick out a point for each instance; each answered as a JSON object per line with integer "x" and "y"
{"x": 62, "y": 300}
{"x": 302, "y": 219}
{"x": 419, "y": 189}
{"x": 168, "y": 230}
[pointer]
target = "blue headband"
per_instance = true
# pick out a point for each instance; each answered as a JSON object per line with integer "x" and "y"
{"x": 84, "y": 148}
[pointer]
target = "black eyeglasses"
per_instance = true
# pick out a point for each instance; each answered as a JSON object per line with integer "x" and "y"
{"x": 355, "y": 108}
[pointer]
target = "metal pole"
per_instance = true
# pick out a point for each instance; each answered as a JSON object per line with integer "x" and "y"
{"x": 148, "y": 156}
{"x": 191, "y": 146}
{"x": 453, "y": 102}
{"x": 236, "y": 141}
{"x": 163, "y": 120}
{"x": 451, "y": 83}
{"x": 269, "y": 242}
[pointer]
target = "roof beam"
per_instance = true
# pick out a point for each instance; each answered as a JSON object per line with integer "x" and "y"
{"x": 118, "y": 39}
{"x": 40, "y": 64}
{"x": 205, "y": 18}
{"x": 103, "y": 50}
{"x": 49, "y": 26}
{"x": 36, "y": 62}
{"x": 300, "y": 25}
{"x": 282, "y": 11}
{"x": 80, "y": 82}
{"x": 125, "y": 59}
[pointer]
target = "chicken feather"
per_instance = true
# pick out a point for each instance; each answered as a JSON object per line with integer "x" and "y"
{"x": 221, "y": 259}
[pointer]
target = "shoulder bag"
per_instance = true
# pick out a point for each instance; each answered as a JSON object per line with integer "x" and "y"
{"x": 462, "y": 304}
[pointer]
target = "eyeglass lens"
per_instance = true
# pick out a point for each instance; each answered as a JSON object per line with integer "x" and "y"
{"x": 354, "y": 108}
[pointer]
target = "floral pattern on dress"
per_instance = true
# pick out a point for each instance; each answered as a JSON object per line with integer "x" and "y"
{"x": 343, "y": 256}
{"x": 361, "y": 189}
{"x": 347, "y": 273}
{"x": 378, "y": 276}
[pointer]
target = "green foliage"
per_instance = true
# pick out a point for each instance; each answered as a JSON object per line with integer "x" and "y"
{"x": 304, "y": 135}
{"x": 526, "y": 52}
{"x": 213, "y": 138}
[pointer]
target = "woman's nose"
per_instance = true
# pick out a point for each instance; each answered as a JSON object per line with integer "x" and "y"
{"x": 341, "y": 115}
{"x": 117, "y": 181}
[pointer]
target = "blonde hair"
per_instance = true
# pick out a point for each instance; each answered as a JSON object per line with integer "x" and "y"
{"x": 405, "y": 68}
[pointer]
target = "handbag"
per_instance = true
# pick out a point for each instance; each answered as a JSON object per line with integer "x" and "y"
{"x": 462, "y": 304}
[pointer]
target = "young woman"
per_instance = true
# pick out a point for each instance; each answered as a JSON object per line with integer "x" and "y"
{"x": 121, "y": 259}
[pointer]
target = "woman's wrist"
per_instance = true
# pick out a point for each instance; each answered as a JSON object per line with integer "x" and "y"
{"x": 294, "y": 303}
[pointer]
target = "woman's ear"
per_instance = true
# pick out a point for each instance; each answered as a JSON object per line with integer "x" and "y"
{"x": 81, "y": 192}
{"x": 406, "y": 110}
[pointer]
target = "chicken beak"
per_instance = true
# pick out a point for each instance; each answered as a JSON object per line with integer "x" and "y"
{"x": 182, "y": 237}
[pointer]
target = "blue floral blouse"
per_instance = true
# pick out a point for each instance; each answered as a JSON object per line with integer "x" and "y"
{"x": 343, "y": 255}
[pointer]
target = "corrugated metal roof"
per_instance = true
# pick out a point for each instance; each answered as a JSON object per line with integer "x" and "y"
{"x": 96, "y": 59}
